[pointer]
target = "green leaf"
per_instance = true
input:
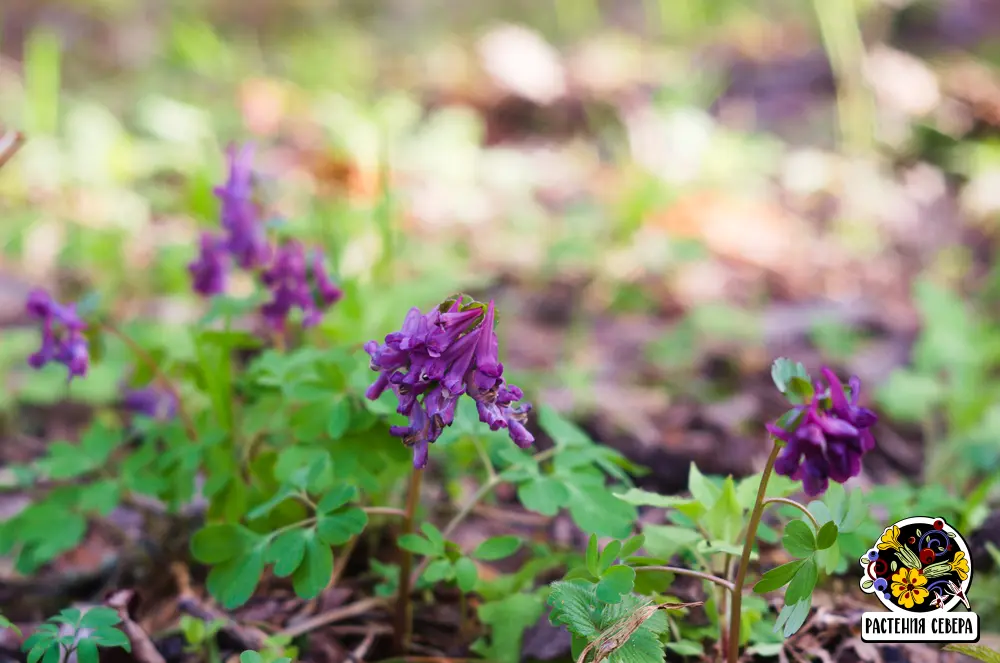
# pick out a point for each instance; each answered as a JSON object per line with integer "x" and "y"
{"x": 724, "y": 519}
{"x": 562, "y": 431}
{"x": 111, "y": 637}
{"x": 777, "y": 486}
{"x": 978, "y": 652}
{"x": 233, "y": 581}
{"x": 799, "y": 539}
{"x": 799, "y": 391}
{"x": 52, "y": 653}
{"x": 418, "y": 544}
{"x": 667, "y": 540}
{"x": 508, "y": 619}
{"x": 701, "y": 488}
{"x": 497, "y": 547}
{"x": 313, "y": 574}
{"x": 615, "y": 582}
{"x": 686, "y": 648}
{"x": 466, "y": 574}
{"x": 286, "y": 551}
{"x": 100, "y": 497}
{"x": 827, "y": 536}
{"x": 339, "y": 418}
{"x": 250, "y": 656}
{"x": 640, "y": 497}
{"x": 86, "y": 651}
{"x": 608, "y": 556}
{"x": 261, "y": 510}
{"x": 220, "y": 542}
{"x": 70, "y": 616}
{"x": 593, "y": 556}
{"x": 632, "y": 546}
{"x": 433, "y": 535}
{"x": 438, "y": 570}
{"x": 803, "y": 582}
{"x": 792, "y": 617}
{"x": 543, "y": 495}
{"x": 854, "y": 514}
{"x": 777, "y": 577}
{"x": 595, "y": 509}
{"x": 6, "y": 623}
{"x": 909, "y": 396}
{"x": 100, "y": 616}
{"x": 339, "y": 527}
{"x": 573, "y": 606}
{"x": 783, "y": 370}
{"x": 336, "y": 497}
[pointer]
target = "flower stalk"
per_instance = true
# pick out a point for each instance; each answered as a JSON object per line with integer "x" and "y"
{"x": 404, "y": 621}
{"x": 741, "y": 573}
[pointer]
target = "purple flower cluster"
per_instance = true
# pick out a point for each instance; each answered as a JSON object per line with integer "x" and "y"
{"x": 62, "y": 335}
{"x": 826, "y": 438}
{"x": 150, "y": 402}
{"x": 293, "y": 280}
{"x": 434, "y": 359}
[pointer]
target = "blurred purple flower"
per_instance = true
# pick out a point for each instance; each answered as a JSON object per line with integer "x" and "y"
{"x": 151, "y": 402}
{"x": 827, "y": 438}
{"x": 294, "y": 283}
{"x": 208, "y": 271}
{"x": 246, "y": 238}
{"x": 62, "y": 335}
{"x": 435, "y": 358}
{"x": 285, "y": 277}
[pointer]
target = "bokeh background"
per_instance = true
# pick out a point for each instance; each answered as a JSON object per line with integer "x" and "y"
{"x": 663, "y": 196}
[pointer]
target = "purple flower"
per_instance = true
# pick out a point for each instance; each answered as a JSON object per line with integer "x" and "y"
{"x": 827, "y": 438}
{"x": 62, "y": 335}
{"x": 433, "y": 360}
{"x": 285, "y": 277}
{"x": 323, "y": 291}
{"x": 151, "y": 402}
{"x": 208, "y": 271}
{"x": 294, "y": 283}
{"x": 245, "y": 239}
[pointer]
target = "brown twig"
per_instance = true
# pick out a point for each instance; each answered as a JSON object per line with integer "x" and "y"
{"x": 143, "y": 649}
{"x": 248, "y": 637}
{"x": 359, "y": 653}
{"x": 10, "y": 143}
{"x": 331, "y": 616}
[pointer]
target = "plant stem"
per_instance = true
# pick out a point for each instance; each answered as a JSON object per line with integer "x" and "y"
{"x": 721, "y": 582}
{"x": 741, "y": 574}
{"x": 797, "y": 505}
{"x": 457, "y": 519}
{"x": 158, "y": 375}
{"x": 491, "y": 471}
{"x": 403, "y": 621}
{"x": 845, "y": 49}
{"x": 384, "y": 511}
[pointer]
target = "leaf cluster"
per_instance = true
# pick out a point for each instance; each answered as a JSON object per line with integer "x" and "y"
{"x": 75, "y": 631}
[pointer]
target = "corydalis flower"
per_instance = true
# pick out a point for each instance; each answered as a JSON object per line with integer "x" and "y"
{"x": 208, "y": 271}
{"x": 62, "y": 335}
{"x": 245, "y": 238}
{"x": 296, "y": 283}
{"x": 826, "y": 438}
{"x": 150, "y": 402}
{"x": 433, "y": 360}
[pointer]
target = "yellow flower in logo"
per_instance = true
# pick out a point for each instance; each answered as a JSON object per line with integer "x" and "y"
{"x": 889, "y": 539}
{"x": 960, "y": 565}
{"x": 908, "y": 587}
